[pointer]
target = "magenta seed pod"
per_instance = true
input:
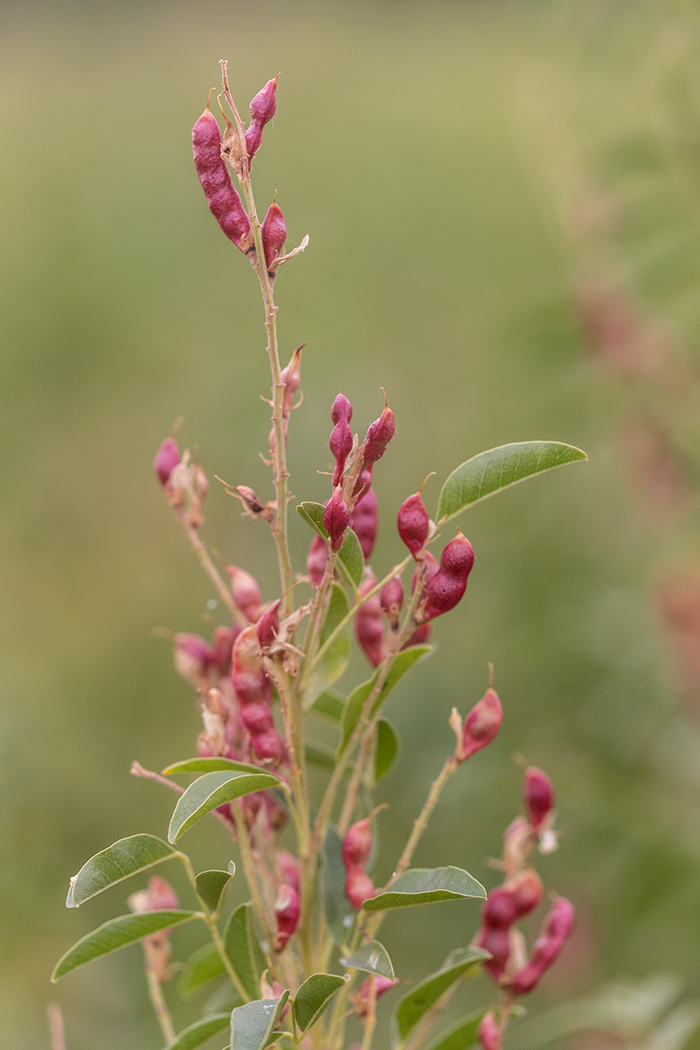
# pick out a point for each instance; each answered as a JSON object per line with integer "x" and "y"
{"x": 369, "y": 625}
{"x": 336, "y": 518}
{"x": 364, "y": 521}
{"x": 447, "y": 587}
{"x": 391, "y": 599}
{"x": 379, "y": 434}
{"x": 413, "y": 523}
{"x": 222, "y": 643}
{"x": 286, "y": 910}
{"x": 489, "y": 1033}
{"x": 262, "y": 109}
{"x": 357, "y": 844}
{"x": 193, "y": 657}
{"x": 250, "y": 682}
{"x": 274, "y": 234}
{"x": 526, "y": 889}
{"x": 340, "y": 444}
{"x": 257, "y": 717}
{"x": 316, "y": 560}
{"x": 555, "y": 930}
{"x": 167, "y": 458}
{"x": 538, "y": 794}
{"x": 245, "y": 591}
{"x": 499, "y": 910}
{"x": 268, "y": 746}
{"x": 223, "y": 200}
{"x": 363, "y": 483}
{"x": 341, "y": 409}
{"x": 268, "y": 626}
{"x": 481, "y": 725}
{"x": 496, "y": 941}
{"x": 419, "y": 637}
{"x": 291, "y": 377}
{"x": 358, "y": 887}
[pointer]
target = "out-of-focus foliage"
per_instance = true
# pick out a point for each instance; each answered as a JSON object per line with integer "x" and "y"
{"x": 464, "y": 170}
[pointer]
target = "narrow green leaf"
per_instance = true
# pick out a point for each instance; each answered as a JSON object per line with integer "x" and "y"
{"x": 239, "y": 941}
{"x": 211, "y": 886}
{"x": 340, "y": 914}
{"x": 412, "y": 1006}
{"x": 426, "y": 886}
{"x": 459, "y": 1036}
{"x": 209, "y": 765}
{"x": 211, "y": 791}
{"x": 319, "y": 755}
{"x": 117, "y": 862}
{"x": 372, "y": 957}
{"x": 314, "y": 996}
{"x": 116, "y": 934}
{"x": 329, "y": 705}
{"x": 388, "y": 747}
{"x": 253, "y": 1024}
{"x": 202, "y": 966}
{"x": 402, "y": 663}
{"x": 350, "y": 554}
{"x": 334, "y": 662}
{"x": 498, "y": 468}
{"x": 312, "y": 513}
{"x": 199, "y": 1032}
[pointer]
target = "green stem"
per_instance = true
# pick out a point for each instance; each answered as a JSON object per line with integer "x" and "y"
{"x": 421, "y": 822}
{"x": 155, "y": 994}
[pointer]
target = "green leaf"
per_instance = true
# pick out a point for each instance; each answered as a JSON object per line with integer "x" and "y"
{"x": 402, "y": 663}
{"x": 319, "y": 755}
{"x": 334, "y": 662}
{"x": 340, "y": 914}
{"x": 388, "y": 747}
{"x": 117, "y": 862}
{"x": 209, "y": 765}
{"x": 253, "y": 1024}
{"x": 116, "y": 934}
{"x": 350, "y": 554}
{"x": 459, "y": 1036}
{"x": 412, "y": 1006}
{"x": 239, "y": 941}
{"x": 425, "y": 886}
{"x": 211, "y": 791}
{"x": 372, "y": 957}
{"x": 202, "y": 966}
{"x": 211, "y": 886}
{"x": 199, "y": 1032}
{"x": 314, "y": 996}
{"x": 222, "y": 999}
{"x": 329, "y": 705}
{"x": 498, "y": 468}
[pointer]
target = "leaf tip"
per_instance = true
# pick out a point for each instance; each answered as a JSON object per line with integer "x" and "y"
{"x": 70, "y": 900}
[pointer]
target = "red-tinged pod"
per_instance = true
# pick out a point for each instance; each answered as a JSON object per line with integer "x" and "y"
{"x": 340, "y": 444}
{"x": 268, "y": 626}
{"x": 489, "y": 1033}
{"x": 262, "y": 108}
{"x": 446, "y": 588}
{"x": 268, "y": 747}
{"x": 481, "y": 725}
{"x": 167, "y": 458}
{"x": 379, "y": 434}
{"x": 160, "y": 896}
{"x": 357, "y": 845}
{"x": 291, "y": 377}
{"x": 499, "y": 910}
{"x": 289, "y": 866}
{"x": 336, "y": 518}
{"x": 274, "y": 234}
{"x": 364, "y": 521}
{"x": 419, "y": 637}
{"x": 358, "y": 887}
{"x": 360, "y": 1000}
{"x": 526, "y": 889}
{"x": 430, "y": 566}
{"x": 555, "y": 932}
{"x": 413, "y": 523}
{"x": 249, "y": 681}
{"x": 246, "y": 592}
{"x": 286, "y": 910}
{"x": 257, "y": 717}
{"x": 363, "y": 483}
{"x": 538, "y": 795}
{"x": 341, "y": 409}
{"x": 223, "y": 200}
{"x": 369, "y": 625}
{"x": 222, "y": 645}
{"x": 391, "y": 600}
{"x": 496, "y": 941}
{"x": 316, "y": 560}
{"x": 193, "y": 657}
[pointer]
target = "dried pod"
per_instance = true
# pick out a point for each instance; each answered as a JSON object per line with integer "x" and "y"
{"x": 223, "y": 200}
{"x": 481, "y": 725}
{"x": 391, "y": 599}
{"x": 286, "y": 910}
{"x": 364, "y": 521}
{"x": 167, "y": 458}
{"x": 538, "y": 795}
{"x": 555, "y": 930}
{"x": 291, "y": 377}
{"x": 274, "y": 234}
{"x": 413, "y": 523}
{"x": 336, "y": 518}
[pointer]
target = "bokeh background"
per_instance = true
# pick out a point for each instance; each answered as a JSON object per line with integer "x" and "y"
{"x": 503, "y": 202}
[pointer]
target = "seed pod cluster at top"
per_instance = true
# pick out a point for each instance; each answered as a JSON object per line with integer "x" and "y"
{"x": 356, "y": 848}
{"x": 223, "y": 200}
{"x": 262, "y": 109}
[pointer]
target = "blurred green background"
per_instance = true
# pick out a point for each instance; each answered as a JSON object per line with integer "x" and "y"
{"x": 450, "y": 162}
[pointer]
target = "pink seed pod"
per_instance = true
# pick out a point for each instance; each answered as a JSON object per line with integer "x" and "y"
{"x": 167, "y": 458}
{"x": 249, "y": 681}
{"x": 364, "y": 521}
{"x": 222, "y": 643}
{"x": 274, "y": 234}
{"x": 419, "y": 637}
{"x": 316, "y": 560}
{"x": 526, "y": 889}
{"x": 369, "y": 626}
{"x": 413, "y": 523}
{"x": 286, "y": 910}
{"x": 340, "y": 441}
{"x": 538, "y": 794}
{"x": 357, "y": 845}
{"x": 262, "y": 109}
{"x": 499, "y": 910}
{"x": 291, "y": 377}
{"x": 363, "y": 483}
{"x": 160, "y": 896}
{"x": 379, "y": 434}
{"x": 481, "y": 724}
{"x": 360, "y": 1000}
{"x": 257, "y": 717}
{"x": 289, "y": 866}
{"x": 193, "y": 657}
{"x": 391, "y": 599}
{"x": 341, "y": 409}
{"x": 488, "y": 1033}
{"x": 555, "y": 930}
{"x": 268, "y": 746}
{"x": 223, "y": 200}
{"x": 447, "y": 587}
{"x": 336, "y": 518}
{"x": 497, "y": 943}
{"x": 268, "y": 626}
{"x": 358, "y": 887}
{"x": 245, "y": 591}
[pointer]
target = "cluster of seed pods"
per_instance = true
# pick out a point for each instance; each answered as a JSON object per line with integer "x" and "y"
{"x": 184, "y": 482}
{"x": 356, "y": 848}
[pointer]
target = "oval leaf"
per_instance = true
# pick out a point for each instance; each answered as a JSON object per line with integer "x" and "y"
{"x": 498, "y": 468}
{"x": 117, "y": 862}
{"x": 334, "y": 662}
{"x": 202, "y": 966}
{"x": 199, "y": 1032}
{"x": 461, "y": 1035}
{"x": 116, "y": 934}
{"x": 314, "y": 996}
{"x": 340, "y": 914}
{"x": 240, "y": 948}
{"x": 388, "y": 747}
{"x": 211, "y": 886}
{"x": 402, "y": 663}
{"x": 254, "y": 1023}
{"x": 372, "y": 957}
{"x": 425, "y": 886}
{"x": 211, "y": 791}
{"x": 350, "y": 556}
{"x": 411, "y": 1008}
{"x": 208, "y": 765}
